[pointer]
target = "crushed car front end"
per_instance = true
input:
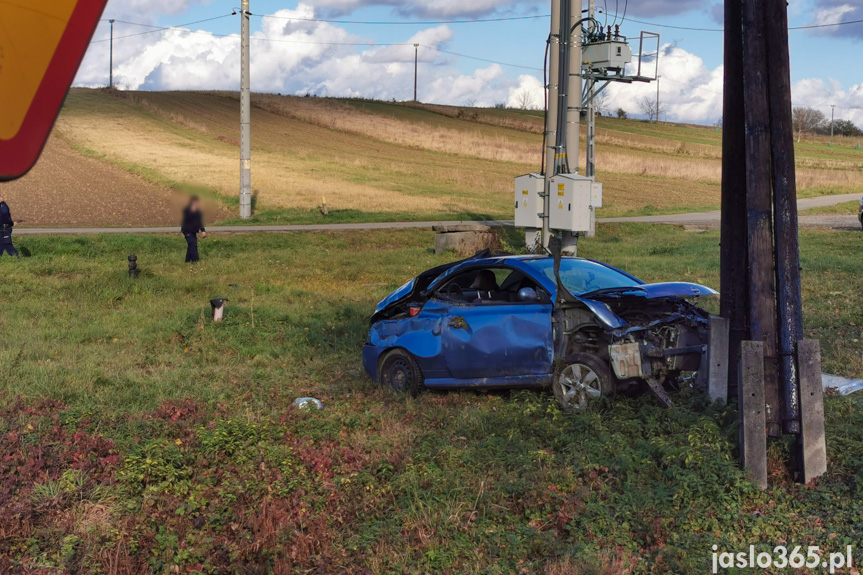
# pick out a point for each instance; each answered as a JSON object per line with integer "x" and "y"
{"x": 651, "y": 333}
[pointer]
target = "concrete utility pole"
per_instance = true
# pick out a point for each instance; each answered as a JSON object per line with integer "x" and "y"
{"x": 111, "y": 57}
{"x": 590, "y": 155}
{"x": 574, "y": 107}
{"x": 245, "y": 117}
{"x": 832, "y": 117}
{"x": 657, "y": 95}
{"x": 416, "y": 65}
{"x": 551, "y": 117}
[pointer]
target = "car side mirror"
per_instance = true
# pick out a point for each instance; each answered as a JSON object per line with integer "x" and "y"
{"x": 527, "y": 295}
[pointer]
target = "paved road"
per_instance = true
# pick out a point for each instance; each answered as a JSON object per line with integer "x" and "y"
{"x": 712, "y": 219}
{"x": 698, "y": 219}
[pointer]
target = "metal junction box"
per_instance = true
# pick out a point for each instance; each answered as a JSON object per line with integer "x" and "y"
{"x": 528, "y": 201}
{"x": 596, "y": 195}
{"x": 610, "y": 55}
{"x": 571, "y": 203}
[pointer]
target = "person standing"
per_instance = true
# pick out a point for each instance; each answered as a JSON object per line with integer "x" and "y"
{"x": 193, "y": 222}
{"x": 6, "y": 225}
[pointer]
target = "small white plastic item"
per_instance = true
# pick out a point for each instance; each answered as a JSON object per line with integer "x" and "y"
{"x": 308, "y": 403}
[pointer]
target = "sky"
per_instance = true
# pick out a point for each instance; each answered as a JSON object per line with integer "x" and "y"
{"x": 295, "y": 51}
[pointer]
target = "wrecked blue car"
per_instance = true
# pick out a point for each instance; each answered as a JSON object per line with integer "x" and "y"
{"x": 585, "y": 329}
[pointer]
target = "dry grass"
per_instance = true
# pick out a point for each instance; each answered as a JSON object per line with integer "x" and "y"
{"x": 377, "y": 157}
{"x": 344, "y": 118}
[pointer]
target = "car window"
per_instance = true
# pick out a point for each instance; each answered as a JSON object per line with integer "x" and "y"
{"x": 487, "y": 286}
{"x": 583, "y": 276}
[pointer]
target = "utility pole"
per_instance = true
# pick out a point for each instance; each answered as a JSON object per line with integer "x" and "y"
{"x": 575, "y": 105}
{"x": 416, "y": 65}
{"x": 832, "y": 116}
{"x": 657, "y": 95}
{"x": 590, "y": 154}
{"x": 245, "y": 117}
{"x": 551, "y": 116}
{"x": 111, "y": 57}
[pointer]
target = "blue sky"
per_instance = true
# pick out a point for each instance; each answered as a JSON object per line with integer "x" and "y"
{"x": 824, "y": 61}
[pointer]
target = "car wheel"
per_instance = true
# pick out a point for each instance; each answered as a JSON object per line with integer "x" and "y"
{"x": 399, "y": 371}
{"x": 581, "y": 379}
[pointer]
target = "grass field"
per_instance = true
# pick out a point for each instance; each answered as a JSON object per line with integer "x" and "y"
{"x": 377, "y": 160}
{"x": 138, "y": 437}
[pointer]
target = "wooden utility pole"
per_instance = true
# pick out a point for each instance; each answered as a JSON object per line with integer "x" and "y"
{"x": 760, "y": 257}
{"x": 788, "y": 297}
{"x": 734, "y": 301}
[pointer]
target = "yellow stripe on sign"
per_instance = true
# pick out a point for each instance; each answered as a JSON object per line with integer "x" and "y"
{"x": 29, "y": 34}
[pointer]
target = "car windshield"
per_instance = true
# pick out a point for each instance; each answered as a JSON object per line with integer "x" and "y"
{"x": 582, "y": 276}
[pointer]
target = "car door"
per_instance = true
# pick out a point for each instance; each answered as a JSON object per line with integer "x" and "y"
{"x": 499, "y": 340}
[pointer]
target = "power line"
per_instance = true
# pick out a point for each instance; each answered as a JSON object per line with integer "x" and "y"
{"x": 310, "y": 42}
{"x": 161, "y": 28}
{"x": 809, "y": 27}
{"x": 406, "y": 22}
{"x": 482, "y": 59}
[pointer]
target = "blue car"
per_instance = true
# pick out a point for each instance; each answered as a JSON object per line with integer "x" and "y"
{"x": 585, "y": 330}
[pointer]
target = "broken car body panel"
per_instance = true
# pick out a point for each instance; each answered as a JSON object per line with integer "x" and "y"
{"x": 468, "y": 323}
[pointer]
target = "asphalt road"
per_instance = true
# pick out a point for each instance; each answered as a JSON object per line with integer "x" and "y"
{"x": 697, "y": 219}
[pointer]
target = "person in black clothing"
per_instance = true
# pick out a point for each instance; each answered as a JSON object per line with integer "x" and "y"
{"x": 192, "y": 224}
{"x": 6, "y": 225}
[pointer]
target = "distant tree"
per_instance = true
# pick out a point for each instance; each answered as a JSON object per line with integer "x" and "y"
{"x": 622, "y": 114}
{"x": 650, "y": 108}
{"x": 500, "y": 105}
{"x": 806, "y": 121}
{"x": 841, "y": 128}
{"x": 600, "y": 103}
{"x": 524, "y": 100}
{"x": 718, "y": 123}
{"x": 470, "y": 103}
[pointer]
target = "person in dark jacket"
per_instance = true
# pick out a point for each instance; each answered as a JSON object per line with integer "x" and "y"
{"x": 6, "y": 225}
{"x": 193, "y": 222}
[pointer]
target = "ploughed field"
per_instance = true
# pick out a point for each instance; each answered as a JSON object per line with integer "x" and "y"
{"x": 138, "y": 437}
{"x": 125, "y": 154}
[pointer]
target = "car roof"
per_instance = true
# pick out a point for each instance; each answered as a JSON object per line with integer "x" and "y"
{"x": 518, "y": 262}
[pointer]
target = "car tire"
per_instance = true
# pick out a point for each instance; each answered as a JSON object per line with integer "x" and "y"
{"x": 399, "y": 371}
{"x": 581, "y": 378}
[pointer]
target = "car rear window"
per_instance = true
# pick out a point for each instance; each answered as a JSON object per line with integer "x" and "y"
{"x": 583, "y": 276}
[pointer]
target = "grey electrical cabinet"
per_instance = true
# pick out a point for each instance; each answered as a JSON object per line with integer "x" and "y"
{"x": 572, "y": 203}
{"x": 528, "y": 200}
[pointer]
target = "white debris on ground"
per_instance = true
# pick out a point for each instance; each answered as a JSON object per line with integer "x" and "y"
{"x": 308, "y": 403}
{"x": 843, "y": 385}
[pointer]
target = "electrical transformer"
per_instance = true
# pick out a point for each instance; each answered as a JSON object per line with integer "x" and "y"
{"x": 528, "y": 200}
{"x": 608, "y": 55}
{"x": 572, "y": 203}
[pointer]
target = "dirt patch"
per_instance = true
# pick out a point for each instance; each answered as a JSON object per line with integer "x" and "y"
{"x": 66, "y": 188}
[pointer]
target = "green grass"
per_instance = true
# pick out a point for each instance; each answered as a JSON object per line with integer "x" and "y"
{"x": 846, "y": 208}
{"x": 138, "y": 435}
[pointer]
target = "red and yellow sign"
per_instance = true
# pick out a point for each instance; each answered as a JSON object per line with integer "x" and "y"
{"x": 41, "y": 46}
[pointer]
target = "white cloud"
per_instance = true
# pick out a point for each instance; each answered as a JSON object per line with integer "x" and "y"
{"x": 147, "y": 10}
{"x": 833, "y": 11}
{"x": 296, "y": 57}
{"x": 689, "y": 91}
{"x": 816, "y": 93}
{"x": 528, "y": 93}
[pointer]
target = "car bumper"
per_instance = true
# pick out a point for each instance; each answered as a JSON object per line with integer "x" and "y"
{"x": 371, "y": 355}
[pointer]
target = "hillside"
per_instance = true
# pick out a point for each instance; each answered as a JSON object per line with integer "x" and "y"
{"x": 371, "y": 160}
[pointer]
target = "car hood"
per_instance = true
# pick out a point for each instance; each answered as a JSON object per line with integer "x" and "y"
{"x": 652, "y": 291}
{"x": 597, "y": 301}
